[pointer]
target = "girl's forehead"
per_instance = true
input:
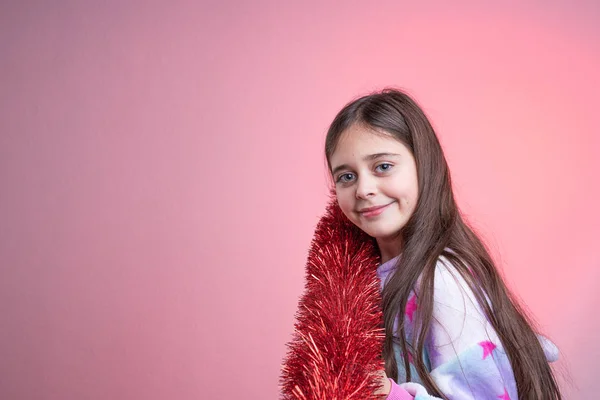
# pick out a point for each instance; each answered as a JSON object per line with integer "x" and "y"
{"x": 361, "y": 140}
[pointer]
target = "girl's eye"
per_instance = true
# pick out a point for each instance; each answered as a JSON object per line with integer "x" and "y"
{"x": 387, "y": 166}
{"x": 345, "y": 178}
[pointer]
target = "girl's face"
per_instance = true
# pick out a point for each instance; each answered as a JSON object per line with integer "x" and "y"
{"x": 375, "y": 170}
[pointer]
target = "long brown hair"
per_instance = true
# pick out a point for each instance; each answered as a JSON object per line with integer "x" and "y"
{"x": 436, "y": 229}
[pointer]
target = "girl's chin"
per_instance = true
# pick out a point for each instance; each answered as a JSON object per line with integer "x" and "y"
{"x": 380, "y": 234}
{"x": 384, "y": 233}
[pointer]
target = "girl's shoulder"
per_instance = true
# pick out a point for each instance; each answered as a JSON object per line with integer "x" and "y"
{"x": 446, "y": 275}
{"x": 459, "y": 322}
{"x": 452, "y": 292}
{"x": 449, "y": 283}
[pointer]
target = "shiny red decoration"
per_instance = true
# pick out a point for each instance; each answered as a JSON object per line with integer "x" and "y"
{"x": 336, "y": 348}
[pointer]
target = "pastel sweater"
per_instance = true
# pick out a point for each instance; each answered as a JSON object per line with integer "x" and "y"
{"x": 462, "y": 352}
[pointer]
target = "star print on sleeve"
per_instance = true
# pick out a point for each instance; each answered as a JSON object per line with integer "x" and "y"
{"x": 488, "y": 347}
{"x": 504, "y": 396}
{"x": 410, "y": 357}
{"x": 411, "y": 307}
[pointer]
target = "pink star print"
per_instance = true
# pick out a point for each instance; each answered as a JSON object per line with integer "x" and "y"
{"x": 411, "y": 307}
{"x": 410, "y": 357}
{"x": 505, "y": 396}
{"x": 488, "y": 347}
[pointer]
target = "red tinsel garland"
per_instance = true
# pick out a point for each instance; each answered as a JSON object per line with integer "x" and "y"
{"x": 337, "y": 344}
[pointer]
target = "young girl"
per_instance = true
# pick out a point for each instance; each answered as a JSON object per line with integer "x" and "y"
{"x": 452, "y": 328}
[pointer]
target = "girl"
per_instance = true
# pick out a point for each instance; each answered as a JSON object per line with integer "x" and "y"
{"x": 452, "y": 328}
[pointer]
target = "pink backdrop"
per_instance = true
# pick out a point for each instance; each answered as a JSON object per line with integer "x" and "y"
{"x": 162, "y": 173}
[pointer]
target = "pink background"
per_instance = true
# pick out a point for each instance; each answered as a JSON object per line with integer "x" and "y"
{"x": 161, "y": 175}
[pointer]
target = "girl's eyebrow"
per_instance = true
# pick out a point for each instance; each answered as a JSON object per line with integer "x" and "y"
{"x": 369, "y": 157}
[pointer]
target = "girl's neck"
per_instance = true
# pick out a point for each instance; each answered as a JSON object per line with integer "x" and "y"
{"x": 389, "y": 248}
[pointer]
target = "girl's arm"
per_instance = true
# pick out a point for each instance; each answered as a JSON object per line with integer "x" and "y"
{"x": 466, "y": 356}
{"x": 391, "y": 388}
{"x": 398, "y": 393}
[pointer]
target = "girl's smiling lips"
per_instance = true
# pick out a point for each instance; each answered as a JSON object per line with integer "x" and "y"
{"x": 372, "y": 211}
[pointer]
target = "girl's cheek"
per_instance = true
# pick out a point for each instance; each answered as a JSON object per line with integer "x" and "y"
{"x": 346, "y": 206}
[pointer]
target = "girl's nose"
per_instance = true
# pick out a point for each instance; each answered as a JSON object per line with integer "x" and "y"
{"x": 365, "y": 188}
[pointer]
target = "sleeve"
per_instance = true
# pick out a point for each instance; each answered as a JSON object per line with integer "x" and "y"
{"x": 466, "y": 356}
{"x": 467, "y": 359}
{"x": 398, "y": 393}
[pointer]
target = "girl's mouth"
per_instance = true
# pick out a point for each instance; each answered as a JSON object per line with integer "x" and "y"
{"x": 374, "y": 212}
